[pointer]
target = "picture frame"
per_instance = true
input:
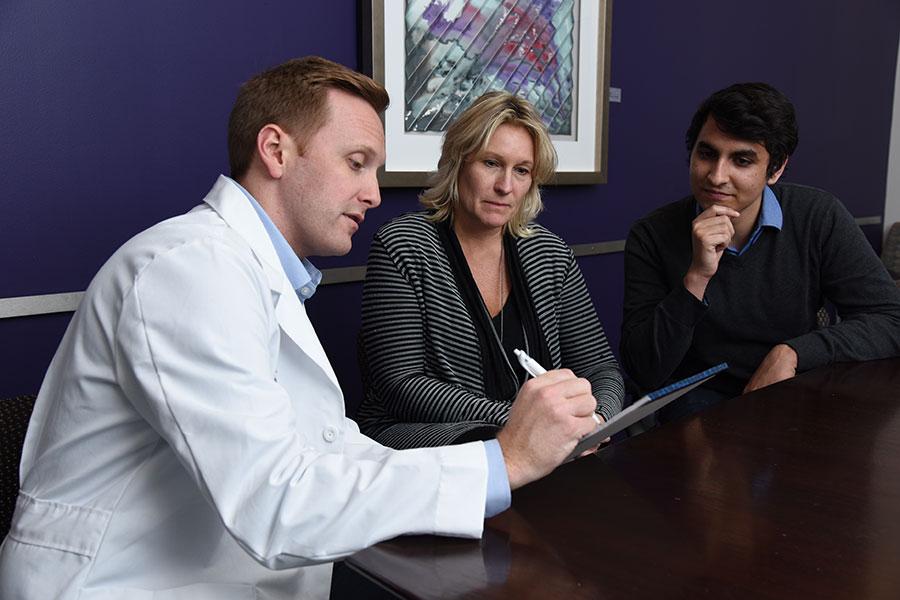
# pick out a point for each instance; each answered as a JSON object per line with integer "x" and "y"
{"x": 412, "y": 154}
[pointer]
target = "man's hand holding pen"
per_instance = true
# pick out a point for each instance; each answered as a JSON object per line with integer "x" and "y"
{"x": 551, "y": 413}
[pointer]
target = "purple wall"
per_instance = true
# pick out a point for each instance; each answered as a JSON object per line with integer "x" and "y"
{"x": 113, "y": 115}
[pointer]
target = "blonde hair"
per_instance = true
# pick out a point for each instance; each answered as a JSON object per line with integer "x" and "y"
{"x": 469, "y": 135}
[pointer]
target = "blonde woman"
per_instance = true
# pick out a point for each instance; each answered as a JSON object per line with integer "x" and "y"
{"x": 451, "y": 291}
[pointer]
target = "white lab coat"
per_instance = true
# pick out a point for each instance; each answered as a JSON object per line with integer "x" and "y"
{"x": 189, "y": 440}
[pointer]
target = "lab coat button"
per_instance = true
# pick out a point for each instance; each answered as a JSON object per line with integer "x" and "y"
{"x": 330, "y": 434}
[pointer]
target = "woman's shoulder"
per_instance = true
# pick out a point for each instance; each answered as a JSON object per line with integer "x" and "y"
{"x": 542, "y": 240}
{"x": 410, "y": 223}
{"x": 409, "y": 237}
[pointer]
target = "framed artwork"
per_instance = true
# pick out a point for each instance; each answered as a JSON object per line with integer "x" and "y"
{"x": 436, "y": 56}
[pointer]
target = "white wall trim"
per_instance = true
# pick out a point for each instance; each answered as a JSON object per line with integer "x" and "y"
{"x": 45, "y": 304}
{"x": 24, "y": 306}
{"x": 892, "y": 195}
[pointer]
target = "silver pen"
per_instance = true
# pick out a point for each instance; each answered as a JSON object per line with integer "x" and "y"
{"x": 529, "y": 364}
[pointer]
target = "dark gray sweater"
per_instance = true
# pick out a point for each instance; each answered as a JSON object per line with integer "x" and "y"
{"x": 767, "y": 296}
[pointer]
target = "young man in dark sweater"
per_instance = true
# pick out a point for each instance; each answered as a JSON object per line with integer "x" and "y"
{"x": 737, "y": 271}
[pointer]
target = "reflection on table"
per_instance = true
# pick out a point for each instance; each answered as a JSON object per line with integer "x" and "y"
{"x": 792, "y": 491}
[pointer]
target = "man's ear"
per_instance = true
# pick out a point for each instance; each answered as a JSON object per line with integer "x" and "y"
{"x": 777, "y": 174}
{"x": 271, "y": 144}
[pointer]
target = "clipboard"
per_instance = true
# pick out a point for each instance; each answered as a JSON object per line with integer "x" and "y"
{"x": 646, "y": 405}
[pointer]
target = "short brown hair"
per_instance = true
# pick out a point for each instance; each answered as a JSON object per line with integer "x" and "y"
{"x": 469, "y": 135}
{"x": 293, "y": 96}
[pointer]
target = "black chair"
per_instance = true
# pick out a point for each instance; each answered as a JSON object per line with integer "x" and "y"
{"x": 14, "y": 416}
{"x": 823, "y": 318}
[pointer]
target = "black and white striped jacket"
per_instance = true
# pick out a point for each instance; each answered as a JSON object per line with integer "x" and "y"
{"x": 420, "y": 356}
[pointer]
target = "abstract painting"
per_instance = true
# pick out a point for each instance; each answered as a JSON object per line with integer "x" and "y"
{"x": 435, "y": 57}
{"x": 457, "y": 50}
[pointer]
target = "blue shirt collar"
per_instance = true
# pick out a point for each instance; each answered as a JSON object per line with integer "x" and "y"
{"x": 770, "y": 215}
{"x": 304, "y": 277}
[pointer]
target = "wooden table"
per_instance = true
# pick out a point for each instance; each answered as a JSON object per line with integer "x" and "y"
{"x": 792, "y": 491}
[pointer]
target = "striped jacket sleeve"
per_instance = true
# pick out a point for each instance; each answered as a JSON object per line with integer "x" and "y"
{"x": 419, "y": 346}
{"x": 568, "y": 320}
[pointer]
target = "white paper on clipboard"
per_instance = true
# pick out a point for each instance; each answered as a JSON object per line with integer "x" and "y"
{"x": 642, "y": 407}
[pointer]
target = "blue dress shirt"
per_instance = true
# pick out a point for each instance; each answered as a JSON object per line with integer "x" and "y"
{"x": 770, "y": 215}
{"x": 304, "y": 277}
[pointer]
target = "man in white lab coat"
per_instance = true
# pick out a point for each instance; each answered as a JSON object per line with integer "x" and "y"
{"x": 189, "y": 439}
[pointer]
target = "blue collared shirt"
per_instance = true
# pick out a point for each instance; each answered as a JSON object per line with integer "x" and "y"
{"x": 770, "y": 215}
{"x": 498, "y": 495}
{"x": 304, "y": 278}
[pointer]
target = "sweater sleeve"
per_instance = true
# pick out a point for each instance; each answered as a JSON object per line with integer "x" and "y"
{"x": 399, "y": 346}
{"x": 583, "y": 344}
{"x": 854, "y": 279}
{"x": 659, "y": 313}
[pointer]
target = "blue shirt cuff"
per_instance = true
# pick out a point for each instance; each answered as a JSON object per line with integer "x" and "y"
{"x": 498, "y": 496}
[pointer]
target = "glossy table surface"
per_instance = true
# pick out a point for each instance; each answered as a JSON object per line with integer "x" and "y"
{"x": 792, "y": 491}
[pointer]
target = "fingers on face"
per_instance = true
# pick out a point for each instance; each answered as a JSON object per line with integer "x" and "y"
{"x": 718, "y": 210}
{"x": 713, "y": 223}
{"x": 714, "y": 231}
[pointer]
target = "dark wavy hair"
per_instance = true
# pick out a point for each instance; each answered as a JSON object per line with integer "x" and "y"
{"x": 751, "y": 111}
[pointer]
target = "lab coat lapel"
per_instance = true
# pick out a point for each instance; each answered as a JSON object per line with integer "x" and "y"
{"x": 294, "y": 321}
{"x": 231, "y": 204}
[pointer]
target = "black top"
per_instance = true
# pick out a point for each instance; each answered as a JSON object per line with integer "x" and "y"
{"x": 502, "y": 371}
{"x": 511, "y": 333}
